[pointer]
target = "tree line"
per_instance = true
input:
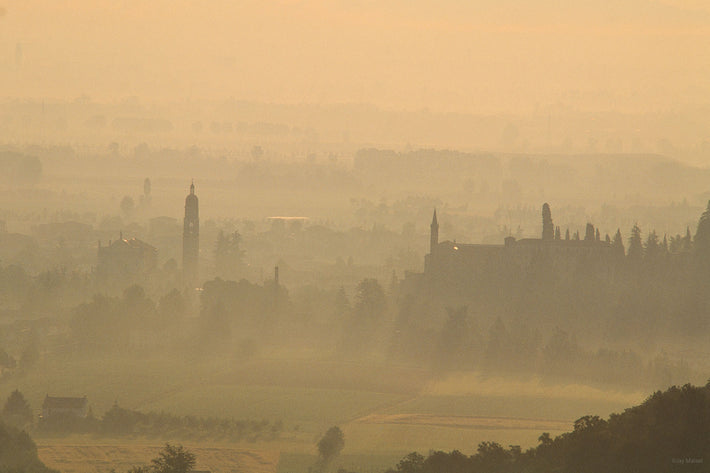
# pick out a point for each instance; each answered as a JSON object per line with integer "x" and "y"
{"x": 670, "y": 431}
{"x": 119, "y": 421}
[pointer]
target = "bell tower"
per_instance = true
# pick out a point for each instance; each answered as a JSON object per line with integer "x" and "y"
{"x": 434, "y": 237}
{"x": 191, "y": 238}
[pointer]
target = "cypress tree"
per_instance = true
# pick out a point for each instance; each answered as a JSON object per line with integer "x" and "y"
{"x": 635, "y": 245}
{"x": 652, "y": 247}
{"x": 618, "y": 243}
{"x": 702, "y": 239}
{"x": 548, "y": 229}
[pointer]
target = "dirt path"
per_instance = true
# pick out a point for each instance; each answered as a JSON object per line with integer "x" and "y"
{"x": 468, "y": 422}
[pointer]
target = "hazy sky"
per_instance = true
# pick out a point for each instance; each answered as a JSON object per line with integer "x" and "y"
{"x": 449, "y": 55}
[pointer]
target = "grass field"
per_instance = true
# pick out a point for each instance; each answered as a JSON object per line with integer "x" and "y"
{"x": 102, "y": 458}
{"x": 305, "y": 408}
{"x": 385, "y": 412}
{"x": 513, "y": 404}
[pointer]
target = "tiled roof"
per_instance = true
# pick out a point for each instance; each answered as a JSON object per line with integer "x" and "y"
{"x": 65, "y": 402}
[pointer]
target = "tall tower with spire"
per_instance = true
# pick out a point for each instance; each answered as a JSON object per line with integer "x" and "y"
{"x": 434, "y": 241}
{"x": 191, "y": 238}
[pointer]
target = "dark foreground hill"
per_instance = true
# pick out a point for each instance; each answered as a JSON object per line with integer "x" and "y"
{"x": 18, "y": 453}
{"x": 669, "y": 432}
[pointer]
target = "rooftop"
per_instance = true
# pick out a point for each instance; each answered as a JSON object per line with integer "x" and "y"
{"x": 65, "y": 402}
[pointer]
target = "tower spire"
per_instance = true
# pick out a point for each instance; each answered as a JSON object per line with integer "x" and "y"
{"x": 191, "y": 238}
{"x": 434, "y": 237}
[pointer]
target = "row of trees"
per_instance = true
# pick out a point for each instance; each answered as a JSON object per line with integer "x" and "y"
{"x": 43, "y": 293}
{"x": 460, "y": 345}
{"x": 107, "y": 322}
{"x": 119, "y": 421}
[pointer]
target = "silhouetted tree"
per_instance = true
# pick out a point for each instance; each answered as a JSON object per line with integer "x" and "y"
{"x": 127, "y": 205}
{"x": 17, "y": 410}
{"x": 635, "y": 253}
{"x": 652, "y": 248}
{"x": 228, "y": 255}
{"x": 172, "y": 309}
{"x": 618, "y": 243}
{"x": 18, "y": 453}
{"x": 560, "y": 354}
{"x": 492, "y": 456}
{"x": 330, "y": 445}
{"x": 6, "y": 361}
{"x": 412, "y": 463}
{"x": 548, "y": 229}
{"x": 370, "y": 301}
{"x": 173, "y": 459}
{"x": 145, "y": 199}
{"x": 702, "y": 240}
{"x": 456, "y": 342}
{"x": 687, "y": 241}
{"x": 589, "y": 232}
{"x": 675, "y": 245}
{"x": 497, "y": 351}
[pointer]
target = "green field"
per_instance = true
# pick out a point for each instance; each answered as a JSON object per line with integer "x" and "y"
{"x": 508, "y": 405}
{"x": 370, "y": 402}
{"x": 309, "y": 409}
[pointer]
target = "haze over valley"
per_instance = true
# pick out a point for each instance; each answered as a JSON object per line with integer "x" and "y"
{"x": 324, "y": 236}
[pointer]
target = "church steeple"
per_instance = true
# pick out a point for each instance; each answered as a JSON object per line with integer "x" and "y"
{"x": 434, "y": 239}
{"x": 191, "y": 238}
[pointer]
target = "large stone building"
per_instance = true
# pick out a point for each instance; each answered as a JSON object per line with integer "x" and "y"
{"x": 191, "y": 239}
{"x": 465, "y": 273}
{"x": 125, "y": 260}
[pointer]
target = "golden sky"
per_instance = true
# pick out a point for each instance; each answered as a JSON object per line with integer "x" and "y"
{"x": 449, "y": 55}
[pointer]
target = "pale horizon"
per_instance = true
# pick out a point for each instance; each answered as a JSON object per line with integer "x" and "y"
{"x": 484, "y": 57}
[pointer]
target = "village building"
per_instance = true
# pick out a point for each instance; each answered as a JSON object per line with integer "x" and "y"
{"x": 63, "y": 406}
{"x": 467, "y": 273}
{"x": 126, "y": 259}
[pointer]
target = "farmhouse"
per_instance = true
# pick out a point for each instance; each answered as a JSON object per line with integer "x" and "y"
{"x": 62, "y": 406}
